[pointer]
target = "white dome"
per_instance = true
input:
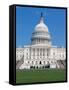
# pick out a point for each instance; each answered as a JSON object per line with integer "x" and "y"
{"x": 41, "y": 34}
{"x": 41, "y": 27}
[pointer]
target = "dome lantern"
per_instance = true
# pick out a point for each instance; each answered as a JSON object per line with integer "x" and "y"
{"x": 42, "y": 19}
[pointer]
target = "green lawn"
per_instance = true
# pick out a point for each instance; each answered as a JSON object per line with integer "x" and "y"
{"x": 32, "y": 76}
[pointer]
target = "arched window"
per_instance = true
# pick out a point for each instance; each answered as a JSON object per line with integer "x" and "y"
{"x": 28, "y": 62}
{"x": 36, "y": 62}
{"x": 40, "y": 62}
{"x": 32, "y": 62}
{"x": 44, "y": 62}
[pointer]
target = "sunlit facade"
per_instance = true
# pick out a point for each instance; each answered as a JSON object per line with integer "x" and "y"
{"x": 40, "y": 54}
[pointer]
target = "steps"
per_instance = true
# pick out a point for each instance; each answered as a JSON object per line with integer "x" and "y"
{"x": 60, "y": 64}
{"x": 19, "y": 63}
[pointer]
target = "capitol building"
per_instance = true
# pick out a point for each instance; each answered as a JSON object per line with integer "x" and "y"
{"x": 40, "y": 54}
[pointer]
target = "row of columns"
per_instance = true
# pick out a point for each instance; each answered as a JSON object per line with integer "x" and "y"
{"x": 39, "y": 52}
{"x": 39, "y": 41}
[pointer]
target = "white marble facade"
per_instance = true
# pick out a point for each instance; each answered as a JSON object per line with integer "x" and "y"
{"x": 40, "y": 54}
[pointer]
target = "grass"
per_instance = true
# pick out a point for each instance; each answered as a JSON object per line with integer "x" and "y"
{"x": 35, "y": 76}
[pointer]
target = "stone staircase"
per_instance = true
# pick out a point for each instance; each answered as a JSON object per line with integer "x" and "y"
{"x": 19, "y": 63}
{"x": 60, "y": 64}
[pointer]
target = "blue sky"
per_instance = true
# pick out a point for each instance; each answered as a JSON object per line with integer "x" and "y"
{"x": 27, "y": 18}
